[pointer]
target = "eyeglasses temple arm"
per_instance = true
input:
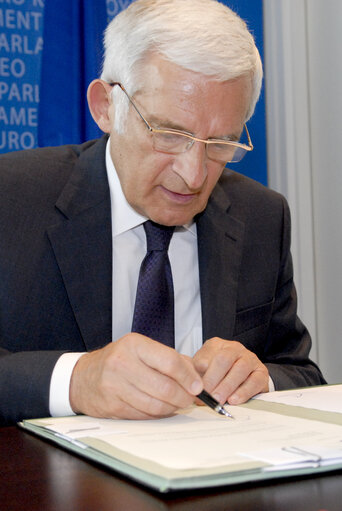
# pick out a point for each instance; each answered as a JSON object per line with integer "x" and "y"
{"x": 132, "y": 103}
{"x": 248, "y": 137}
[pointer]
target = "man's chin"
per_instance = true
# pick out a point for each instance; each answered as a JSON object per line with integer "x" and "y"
{"x": 173, "y": 218}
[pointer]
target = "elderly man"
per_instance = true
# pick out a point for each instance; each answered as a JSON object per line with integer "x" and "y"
{"x": 214, "y": 306}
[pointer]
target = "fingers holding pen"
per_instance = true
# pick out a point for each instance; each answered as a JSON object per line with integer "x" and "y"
{"x": 134, "y": 377}
{"x": 230, "y": 372}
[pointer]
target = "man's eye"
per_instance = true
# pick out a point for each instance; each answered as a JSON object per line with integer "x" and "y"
{"x": 170, "y": 138}
{"x": 219, "y": 147}
{"x": 225, "y": 149}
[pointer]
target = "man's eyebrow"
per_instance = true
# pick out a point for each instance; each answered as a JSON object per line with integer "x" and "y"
{"x": 157, "y": 122}
{"x": 229, "y": 138}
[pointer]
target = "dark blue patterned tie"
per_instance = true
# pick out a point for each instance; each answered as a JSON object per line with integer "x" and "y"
{"x": 154, "y": 303}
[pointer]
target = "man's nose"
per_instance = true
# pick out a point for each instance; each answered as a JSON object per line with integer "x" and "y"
{"x": 191, "y": 166}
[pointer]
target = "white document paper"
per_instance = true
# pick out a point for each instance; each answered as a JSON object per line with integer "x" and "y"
{"x": 327, "y": 398}
{"x": 199, "y": 438}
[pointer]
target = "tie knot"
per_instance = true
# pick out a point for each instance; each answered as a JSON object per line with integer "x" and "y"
{"x": 158, "y": 236}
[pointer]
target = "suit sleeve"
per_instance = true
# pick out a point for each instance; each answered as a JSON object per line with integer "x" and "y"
{"x": 288, "y": 341}
{"x": 24, "y": 384}
{"x": 50, "y": 282}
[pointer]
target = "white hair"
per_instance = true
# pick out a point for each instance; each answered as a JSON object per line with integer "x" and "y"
{"x": 204, "y": 36}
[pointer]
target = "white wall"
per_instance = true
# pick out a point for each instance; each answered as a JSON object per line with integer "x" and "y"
{"x": 303, "y": 80}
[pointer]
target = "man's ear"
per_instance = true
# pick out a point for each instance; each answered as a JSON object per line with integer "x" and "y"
{"x": 99, "y": 101}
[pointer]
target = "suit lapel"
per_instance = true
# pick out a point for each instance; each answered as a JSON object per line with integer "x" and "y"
{"x": 82, "y": 243}
{"x": 220, "y": 241}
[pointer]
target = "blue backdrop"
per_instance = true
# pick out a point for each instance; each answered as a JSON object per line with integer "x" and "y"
{"x": 48, "y": 56}
{"x": 21, "y": 44}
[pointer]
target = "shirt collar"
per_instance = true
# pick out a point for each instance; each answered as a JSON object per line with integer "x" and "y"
{"x": 124, "y": 217}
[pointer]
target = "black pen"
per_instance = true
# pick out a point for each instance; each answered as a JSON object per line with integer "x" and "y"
{"x": 213, "y": 404}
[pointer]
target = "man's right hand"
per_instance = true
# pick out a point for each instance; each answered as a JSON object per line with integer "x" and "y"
{"x": 133, "y": 378}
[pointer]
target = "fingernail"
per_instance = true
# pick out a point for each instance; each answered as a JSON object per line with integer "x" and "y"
{"x": 217, "y": 397}
{"x": 196, "y": 387}
{"x": 234, "y": 399}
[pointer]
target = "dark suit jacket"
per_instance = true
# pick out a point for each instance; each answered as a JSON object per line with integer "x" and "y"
{"x": 56, "y": 272}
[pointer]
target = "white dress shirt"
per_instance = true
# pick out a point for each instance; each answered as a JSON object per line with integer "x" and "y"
{"x": 129, "y": 249}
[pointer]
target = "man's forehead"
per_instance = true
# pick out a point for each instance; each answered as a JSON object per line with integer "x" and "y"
{"x": 160, "y": 78}
{"x": 220, "y": 116}
{"x": 158, "y": 74}
{"x": 156, "y": 67}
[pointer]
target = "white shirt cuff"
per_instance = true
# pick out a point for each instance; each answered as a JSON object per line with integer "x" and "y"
{"x": 59, "y": 403}
{"x": 271, "y": 387}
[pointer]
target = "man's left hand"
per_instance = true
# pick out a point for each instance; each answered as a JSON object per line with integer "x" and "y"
{"x": 230, "y": 372}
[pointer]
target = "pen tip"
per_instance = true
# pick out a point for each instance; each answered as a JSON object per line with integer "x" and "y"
{"x": 223, "y": 411}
